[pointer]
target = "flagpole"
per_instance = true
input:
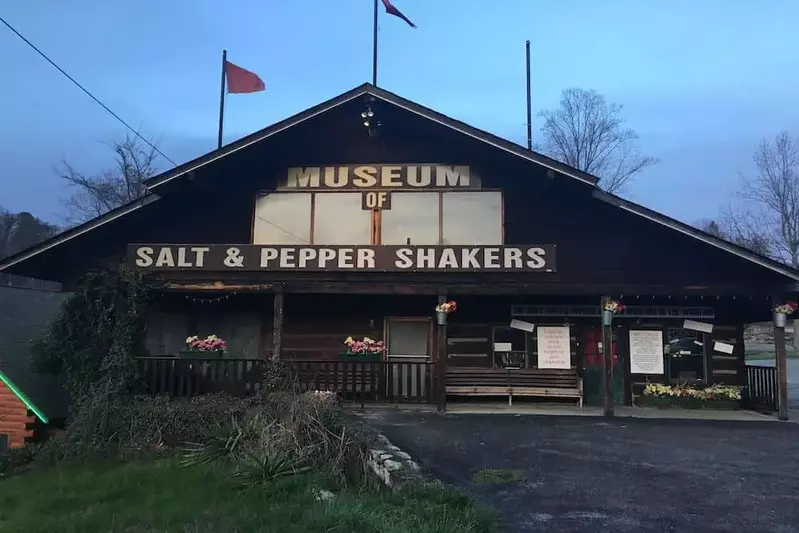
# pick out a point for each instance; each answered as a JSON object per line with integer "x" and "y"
{"x": 374, "y": 49}
{"x": 222, "y": 99}
{"x": 529, "y": 102}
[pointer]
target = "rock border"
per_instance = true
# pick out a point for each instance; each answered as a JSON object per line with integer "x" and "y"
{"x": 392, "y": 466}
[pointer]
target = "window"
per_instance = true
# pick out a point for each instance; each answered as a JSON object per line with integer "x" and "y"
{"x": 413, "y": 216}
{"x": 339, "y": 219}
{"x": 283, "y": 218}
{"x": 408, "y": 338}
{"x": 686, "y": 355}
{"x": 471, "y": 218}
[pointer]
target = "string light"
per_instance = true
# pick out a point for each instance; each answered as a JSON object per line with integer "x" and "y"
{"x": 210, "y": 300}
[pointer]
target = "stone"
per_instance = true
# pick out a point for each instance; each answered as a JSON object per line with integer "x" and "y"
{"x": 324, "y": 495}
{"x": 392, "y": 466}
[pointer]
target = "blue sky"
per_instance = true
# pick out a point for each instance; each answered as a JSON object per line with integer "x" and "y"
{"x": 701, "y": 82}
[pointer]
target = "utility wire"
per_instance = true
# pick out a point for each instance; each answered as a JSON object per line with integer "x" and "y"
{"x": 82, "y": 88}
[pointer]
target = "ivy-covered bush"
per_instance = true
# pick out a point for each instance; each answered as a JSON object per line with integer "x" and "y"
{"x": 98, "y": 331}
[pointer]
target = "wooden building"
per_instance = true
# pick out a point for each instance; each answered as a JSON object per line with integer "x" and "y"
{"x": 357, "y": 216}
{"x": 18, "y": 415}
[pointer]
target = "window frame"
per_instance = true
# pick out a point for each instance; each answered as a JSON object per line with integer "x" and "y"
{"x": 377, "y": 217}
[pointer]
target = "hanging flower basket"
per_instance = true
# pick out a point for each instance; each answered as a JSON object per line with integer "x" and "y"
{"x": 610, "y": 308}
{"x": 782, "y": 311}
{"x": 364, "y": 350}
{"x": 443, "y": 309}
{"x": 211, "y": 347}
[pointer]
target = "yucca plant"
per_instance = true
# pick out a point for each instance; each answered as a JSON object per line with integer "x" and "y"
{"x": 221, "y": 446}
{"x": 268, "y": 465}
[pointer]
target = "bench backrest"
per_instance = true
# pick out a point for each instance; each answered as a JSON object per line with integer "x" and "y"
{"x": 529, "y": 377}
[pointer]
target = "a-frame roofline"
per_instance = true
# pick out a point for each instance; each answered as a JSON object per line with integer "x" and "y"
{"x": 365, "y": 90}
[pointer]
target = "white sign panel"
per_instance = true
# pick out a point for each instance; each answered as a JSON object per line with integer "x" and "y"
{"x": 646, "y": 351}
{"x": 698, "y": 326}
{"x": 522, "y": 325}
{"x": 723, "y": 347}
{"x": 554, "y": 347}
{"x": 503, "y": 347}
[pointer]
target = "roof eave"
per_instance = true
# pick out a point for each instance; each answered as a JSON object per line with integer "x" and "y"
{"x": 685, "y": 229}
{"x": 70, "y": 234}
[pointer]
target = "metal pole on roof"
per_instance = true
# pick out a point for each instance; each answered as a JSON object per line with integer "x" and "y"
{"x": 529, "y": 102}
{"x": 222, "y": 99}
{"x": 374, "y": 48}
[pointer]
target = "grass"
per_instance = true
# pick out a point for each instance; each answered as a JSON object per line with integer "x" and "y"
{"x": 765, "y": 356}
{"x": 492, "y": 476}
{"x": 162, "y": 496}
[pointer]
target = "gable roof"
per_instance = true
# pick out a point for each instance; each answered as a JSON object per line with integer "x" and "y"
{"x": 367, "y": 89}
{"x": 185, "y": 171}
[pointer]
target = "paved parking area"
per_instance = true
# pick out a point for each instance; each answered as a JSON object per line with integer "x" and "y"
{"x": 584, "y": 474}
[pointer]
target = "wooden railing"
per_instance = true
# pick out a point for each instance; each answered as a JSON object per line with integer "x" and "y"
{"x": 190, "y": 377}
{"x": 761, "y": 387}
{"x": 365, "y": 382}
{"x": 354, "y": 381}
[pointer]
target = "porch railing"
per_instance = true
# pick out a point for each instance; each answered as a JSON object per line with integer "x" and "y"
{"x": 761, "y": 387}
{"x": 191, "y": 377}
{"x": 355, "y": 381}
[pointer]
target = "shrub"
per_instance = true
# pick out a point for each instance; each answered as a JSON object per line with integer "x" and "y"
{"x": 286, "y": 435}
{"x": 131, "y": 424}
{"x": 14, "y": 458}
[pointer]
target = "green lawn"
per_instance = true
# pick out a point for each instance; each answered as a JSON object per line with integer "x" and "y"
{"x": 161, "y": 496}
{"x": 763, "y": 356}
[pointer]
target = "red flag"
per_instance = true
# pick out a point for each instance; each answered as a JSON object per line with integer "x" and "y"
{"x": 391, "y": 10}
{"x": 240, "y": 80}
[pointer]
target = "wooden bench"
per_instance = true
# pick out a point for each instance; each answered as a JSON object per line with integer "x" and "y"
{"x": 535, "y": 382}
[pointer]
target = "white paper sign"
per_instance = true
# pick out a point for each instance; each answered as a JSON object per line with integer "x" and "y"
{"x": 502, "y": 347}
{"x": 522, "y": 325}
{"x": 698, "y": 326}
{"x": 646, "y": 351}
{"x": 554, "y": 347}
{"x": 723, "y": 347}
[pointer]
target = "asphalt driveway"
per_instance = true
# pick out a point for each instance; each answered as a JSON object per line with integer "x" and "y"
{"x": 587, "y": 474}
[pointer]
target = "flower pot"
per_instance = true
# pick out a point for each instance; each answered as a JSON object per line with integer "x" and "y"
{"x": 607, "y": 318}
{"x": 441, "y": 318}
{"x": 216, "y": 354}
{"x": 360, "y": 357}
{"x": 780, "y": 320}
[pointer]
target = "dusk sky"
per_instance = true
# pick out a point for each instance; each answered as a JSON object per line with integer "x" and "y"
{"x": 701, "y": 82}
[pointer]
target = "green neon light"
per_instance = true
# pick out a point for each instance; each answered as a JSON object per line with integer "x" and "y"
{"x": 24, "y": 399}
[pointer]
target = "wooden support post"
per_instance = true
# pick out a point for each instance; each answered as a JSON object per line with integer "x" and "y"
{"x": 782, "y": 367}
{"x": 277, "y": 325}
{"x": 441, "y": 362}
{"x": 607, "y": 363}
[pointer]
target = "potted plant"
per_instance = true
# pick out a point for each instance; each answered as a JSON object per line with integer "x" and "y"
{"x": 781, "y": 313}
{"x": 610, "y": 308}
{"x": 211, "y": 347}
{"x": 443, "y": 309}
{"x": 365, "y": 349}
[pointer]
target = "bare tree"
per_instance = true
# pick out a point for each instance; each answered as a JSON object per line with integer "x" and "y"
{"x": 738, "y": 228}
{"x": 771, "y": 197}
{"x": 94, "y": 195}
{"x": 587, "y": 132}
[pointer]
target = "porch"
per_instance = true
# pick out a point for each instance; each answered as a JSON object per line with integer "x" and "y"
{"x": 492, "y": 347}
{"x": 416, "y": 382}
